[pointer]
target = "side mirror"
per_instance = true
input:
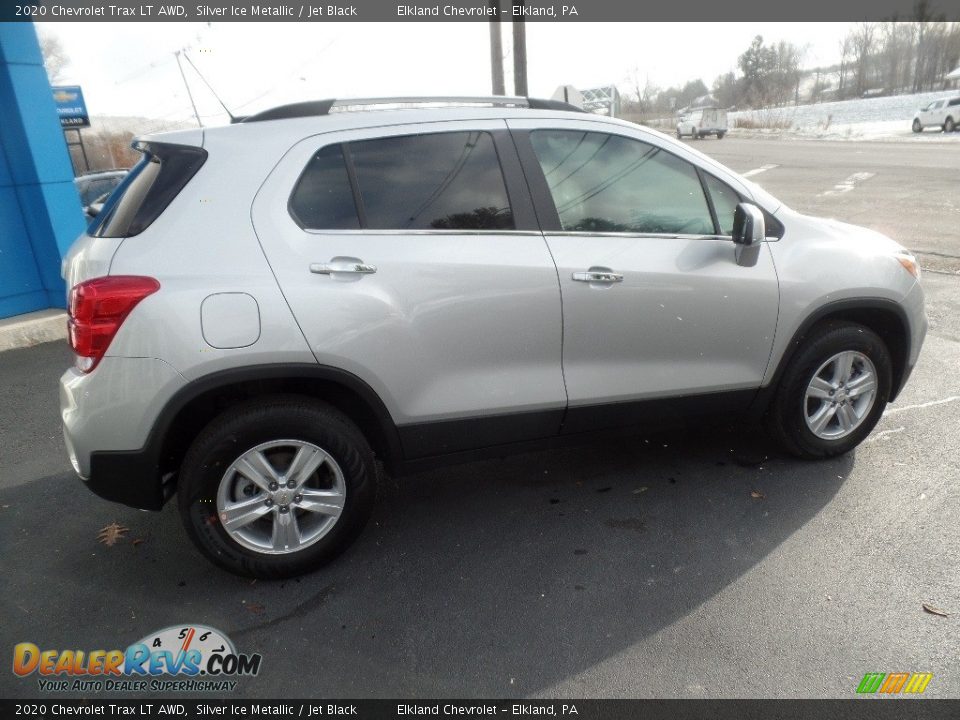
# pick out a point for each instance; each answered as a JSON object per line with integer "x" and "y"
{"x": 749, "y": 227}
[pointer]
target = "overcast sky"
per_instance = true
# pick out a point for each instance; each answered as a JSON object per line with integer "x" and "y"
{"x": 129, "y": 68}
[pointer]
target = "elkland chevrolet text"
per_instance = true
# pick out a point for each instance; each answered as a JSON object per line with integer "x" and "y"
{"x": 263, "y": 311}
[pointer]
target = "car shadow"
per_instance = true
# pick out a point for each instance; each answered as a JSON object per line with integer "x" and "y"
{"x": 496, "y": 578}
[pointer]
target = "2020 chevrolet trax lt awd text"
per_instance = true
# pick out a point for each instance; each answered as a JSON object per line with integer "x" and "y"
{"x": 263, "y": 311}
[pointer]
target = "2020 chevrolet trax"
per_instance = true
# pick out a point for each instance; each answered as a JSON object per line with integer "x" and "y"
{"x": 263, "y": 310}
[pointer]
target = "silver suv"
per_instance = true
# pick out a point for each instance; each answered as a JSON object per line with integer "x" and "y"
{"x": 265, "y": 310}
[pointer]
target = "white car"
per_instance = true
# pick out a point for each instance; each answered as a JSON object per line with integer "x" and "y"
{"x": 943, "y": 113}
{"x": 702, "y": 122}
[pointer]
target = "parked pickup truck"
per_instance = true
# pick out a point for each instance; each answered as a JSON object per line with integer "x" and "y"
{"x": 702, "y": 122}
{"x": 943, "y": 113}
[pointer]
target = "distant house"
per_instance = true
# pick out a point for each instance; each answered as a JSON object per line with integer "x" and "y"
{"x": 952, "y": 79}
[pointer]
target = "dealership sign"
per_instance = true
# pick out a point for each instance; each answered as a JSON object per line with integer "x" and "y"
{"x": 71, "y": 107}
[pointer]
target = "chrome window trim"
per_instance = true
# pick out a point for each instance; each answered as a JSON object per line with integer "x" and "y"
{"x": 671, "y": 236}
{"x": 401, "y": 231}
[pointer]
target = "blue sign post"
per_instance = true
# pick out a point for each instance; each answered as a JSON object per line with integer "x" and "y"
{"x": 70, "y": 106}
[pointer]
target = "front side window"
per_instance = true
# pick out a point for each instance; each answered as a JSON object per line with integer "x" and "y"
{"x": 608, "y": 183}
{"x": 443, "y": 181}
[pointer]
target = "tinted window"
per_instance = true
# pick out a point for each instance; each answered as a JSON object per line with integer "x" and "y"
{"x": 607, "y": 183}
{"x": 725, "y": 202}
{"x": 148, "y": 189}
{"x": 323, "y": 198}
{"x": 448, "y": 181}
{"x": 92, "y": 189}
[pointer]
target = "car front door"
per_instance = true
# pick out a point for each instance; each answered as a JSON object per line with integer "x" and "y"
{"x": 659, "y": 315}
{"x": 932, "y": 115}
{"x": 411, "y": 258}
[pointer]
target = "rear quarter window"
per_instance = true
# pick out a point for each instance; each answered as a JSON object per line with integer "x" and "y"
{"x": 148, "y": 189}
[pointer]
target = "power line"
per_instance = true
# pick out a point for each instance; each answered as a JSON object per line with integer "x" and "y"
{"x": 187, "y": 86}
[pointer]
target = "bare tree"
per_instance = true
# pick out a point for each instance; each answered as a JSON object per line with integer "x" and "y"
{"x": 845, "y": 48}
{"x": 55, "y": 58}
{"x": 862, "y": 42}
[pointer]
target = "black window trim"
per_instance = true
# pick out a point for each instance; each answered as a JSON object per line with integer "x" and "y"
{"x": 511, "y": 171}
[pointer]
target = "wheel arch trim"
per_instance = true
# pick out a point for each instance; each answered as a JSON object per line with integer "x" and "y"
{"x": 840, "y": 308}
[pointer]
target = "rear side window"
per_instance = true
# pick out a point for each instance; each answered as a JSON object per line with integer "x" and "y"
{"x": 609, "y": 183}
{"x": 148, "y": 189}
{"x": 439, "y": 181}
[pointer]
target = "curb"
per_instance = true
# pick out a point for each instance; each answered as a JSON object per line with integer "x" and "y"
{"x": 32, "y": 329}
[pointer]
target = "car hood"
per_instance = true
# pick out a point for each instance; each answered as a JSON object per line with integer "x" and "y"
{"x": 863, "y": 239}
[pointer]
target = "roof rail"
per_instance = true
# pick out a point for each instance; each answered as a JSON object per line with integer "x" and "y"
{"x": 314, "y": 108}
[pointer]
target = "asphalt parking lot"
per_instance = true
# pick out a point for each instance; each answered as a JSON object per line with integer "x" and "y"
{"x": 695, "y": 565}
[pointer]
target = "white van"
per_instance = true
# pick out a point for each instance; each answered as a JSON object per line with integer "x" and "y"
{"x": 702, "y": 122}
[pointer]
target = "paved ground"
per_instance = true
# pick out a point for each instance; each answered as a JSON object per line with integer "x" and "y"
{"x": 905, "y": 190}
{"x": 628, "y": 569}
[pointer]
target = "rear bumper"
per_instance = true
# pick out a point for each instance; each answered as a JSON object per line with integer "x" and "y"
{"x": 129, "y": 478}
{"x": 109, "y": 411}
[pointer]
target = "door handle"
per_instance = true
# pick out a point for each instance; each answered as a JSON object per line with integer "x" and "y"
{"x": 338, "y": 265}
{"x": 599, "y": 276}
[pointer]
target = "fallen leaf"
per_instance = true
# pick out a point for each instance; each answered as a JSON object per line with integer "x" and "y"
{"x": 757, "y": 494}
{"x": 136, "y": 541}
{"x": 935, "y": 610}
{"x": 640, "y": 490}
{"x": 255, "y": 608}
{"x": 110, "y": 534}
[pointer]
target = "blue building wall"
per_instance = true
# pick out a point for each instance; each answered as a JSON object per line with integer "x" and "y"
{"x": 40, "y": 212}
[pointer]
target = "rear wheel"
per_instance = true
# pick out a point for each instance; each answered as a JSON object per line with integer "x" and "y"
{"x": 917, "y": 127}
{"x": 720, "y": 135}
{"x": 276, "y": 487}
{"x": 695, "y": 134}
{"x": 949, "y": 126}
{"x": 833, "y": 392}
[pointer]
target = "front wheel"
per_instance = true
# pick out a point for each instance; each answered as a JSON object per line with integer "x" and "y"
{"x": 276, "y": 487}
{"x": 833, "y": 392}
{"x": 720, "y": 135}
{"x": 917, "y": 127}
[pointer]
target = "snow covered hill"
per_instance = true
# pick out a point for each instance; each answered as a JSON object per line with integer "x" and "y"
{"x": 883, "y": 118}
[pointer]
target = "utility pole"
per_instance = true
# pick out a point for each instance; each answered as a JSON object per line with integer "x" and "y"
{"x": 187, "y": 86}
{"x": 519, "y": 52}
{"x": 496, "y": 50}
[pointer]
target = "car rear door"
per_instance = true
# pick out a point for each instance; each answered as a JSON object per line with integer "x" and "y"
{"x": 411, "y": 257}
{"x": 659, "y": 315}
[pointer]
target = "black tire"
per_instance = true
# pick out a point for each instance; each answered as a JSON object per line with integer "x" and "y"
{"x": 244, "y": 427}
{"x": 917, "y": 127}
{"x": 949, "y": 126}
{"x": 679, "y": 134}
{"x": 694, "y": 134}
{"x": 720, "y": 135}
{"x": 786, "y": 413}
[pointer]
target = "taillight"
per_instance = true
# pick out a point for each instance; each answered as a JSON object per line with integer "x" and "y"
{"x": 98, "y": 308}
